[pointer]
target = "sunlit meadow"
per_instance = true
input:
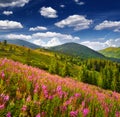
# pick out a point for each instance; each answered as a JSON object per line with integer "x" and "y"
{"x": 30, "y": 92}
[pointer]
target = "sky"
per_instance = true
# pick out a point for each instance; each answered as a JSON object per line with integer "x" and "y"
{"x": 93, "y": 23}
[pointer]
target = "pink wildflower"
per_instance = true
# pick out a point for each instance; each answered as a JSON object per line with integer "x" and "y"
{"x": 24, "y": 108}
{"x": 2, "y": 106}
{"x": 28, "y": 99}
{"x": 63, "y": 108}
{"x": 59, "y": 89}
{"x": 73, "y": 113}
{"x": 117, "y": 114}
{"x": 51, "y": 97}
{"x": 77, "y": 95}
{"x": 38, "y": 115}
{"x": 2, "y": 74}
{"x": 8, "y": 114}
{"x": 6, "y": 98}
{"x": 44, "y": 87}
{"x": 85, "y": 112}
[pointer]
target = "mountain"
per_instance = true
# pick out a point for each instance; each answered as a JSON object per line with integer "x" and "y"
{"x": 22, "y": 43}
{"x": 75, "y": 49}
{"x": 113, "y": 52}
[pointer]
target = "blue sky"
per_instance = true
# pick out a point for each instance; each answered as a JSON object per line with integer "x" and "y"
{"x": 95, "y": 24}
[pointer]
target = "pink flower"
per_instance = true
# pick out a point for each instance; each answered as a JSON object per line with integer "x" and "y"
{"x": 8, "y": 114}
{"x": 24, "y": 108}
{"x": 85, "y": 112}
{"x": 38, "y": 115}
{"x": 51, "y": 97}
{"x": 59, "y": 89}
{"x": 63, "y": 108}
{"x": 28, "y": 99}
{"x": 73, "y": 113}
{"x": 83, "y": 103}
{"x": 77, "y": 95}
{"x": 2, "y": 74}
{"x": 6, "y": 98}
{"x": 117, "y": 114}
{"x": 44, "y": 87}
{"x": 2, "y": 106}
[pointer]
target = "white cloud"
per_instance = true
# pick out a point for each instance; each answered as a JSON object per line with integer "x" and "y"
{"x": 50, "y": 43}
{"x": 78, "y": 22}
{"x": 96, "y": 45}
{"x": 6, "y": 25}
{"x": 115, "y": 25}
{"x": 7, "y": 13}
{"x": 18, "y": 36}
{"x": 51, "y": 35}
{"x": 117, "y": 30}
{"x": 13, "y": 3}
{"x": 38, "y": 28}
{"x": 48, "y": 39}
{"x": 79, "y": 2}
{"x": 48, "y": 12}
{"x": 62, "y": 6}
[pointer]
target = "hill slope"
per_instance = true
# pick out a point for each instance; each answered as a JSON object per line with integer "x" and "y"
{"x": 30, "y": 92}
{"x": 22, "y": 43}
{"x": 75, "y": 49}
{"x": 113, "y": 52}
{"x": 39, "y": 57}
{"x": 88, "y": 70}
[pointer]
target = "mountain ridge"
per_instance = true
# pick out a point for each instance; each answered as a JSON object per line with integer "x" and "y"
{"x": 76, "y": 49}
{"x": 21, "y": 42}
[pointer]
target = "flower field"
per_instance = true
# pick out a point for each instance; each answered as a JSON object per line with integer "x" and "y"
{"x": 30, "y": 92}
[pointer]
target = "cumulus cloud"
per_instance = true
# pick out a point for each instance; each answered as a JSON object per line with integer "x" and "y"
{"x": 50, "y": 43}
{"x": 101, "y": 45}
{"x": 51, "y": 35}
{"x": 49, "y": 39}
{"x": 115, "y": 25}
{"x": 78, "y": 22}
{"x": 18, "y": 36}
{"x": 13, "y": 3}
{"x": 7, "y": 13}
{"x": 38, "y": 28}
{"x": 79, "y": 2}
{"x": 6, "y": 25}
{"x": 46, "y": 39}
{"x": 48, "y": 12}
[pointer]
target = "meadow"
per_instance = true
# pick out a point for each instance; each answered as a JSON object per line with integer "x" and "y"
{"x": 27, "y": 91}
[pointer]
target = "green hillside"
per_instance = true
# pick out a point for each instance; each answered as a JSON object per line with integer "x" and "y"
{"x": 100, "y": 72}
{"x": 75, "y": 49}
{"x": 113, "y": 52}
{"x": 40, "y": 58}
